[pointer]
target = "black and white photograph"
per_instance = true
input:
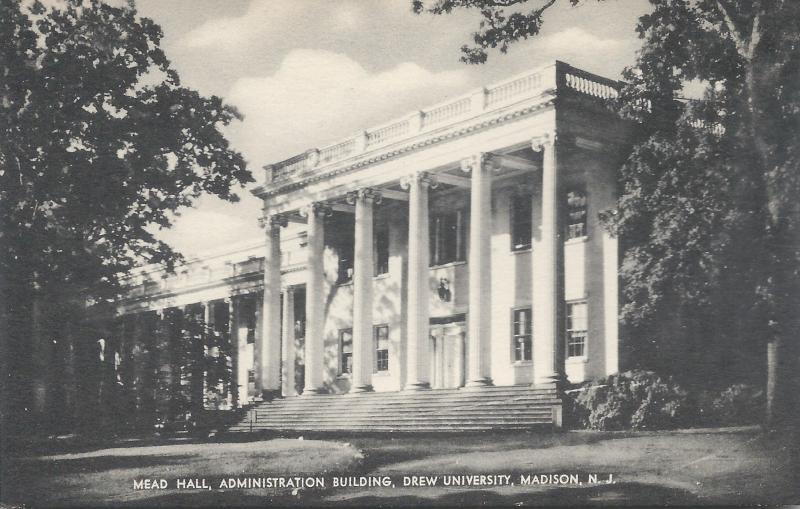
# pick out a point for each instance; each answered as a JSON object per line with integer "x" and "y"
{"x": 399, "y": 253}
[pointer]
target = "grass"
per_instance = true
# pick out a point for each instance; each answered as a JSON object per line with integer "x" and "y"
{"x": 719, "y": 466}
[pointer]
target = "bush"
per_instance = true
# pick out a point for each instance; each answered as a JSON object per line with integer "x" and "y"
{"x": 739, "y": 404}
{"x": 634, "y": 399}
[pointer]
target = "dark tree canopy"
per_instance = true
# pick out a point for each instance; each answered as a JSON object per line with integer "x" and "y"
{"x": 708, "y": 216}
{"x": 99, "y": 141}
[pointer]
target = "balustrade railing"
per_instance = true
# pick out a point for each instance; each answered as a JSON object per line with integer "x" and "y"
{"x": 520, "y": 88}
{"x": 386, "y": 133}
{"x": 448, "y": 111}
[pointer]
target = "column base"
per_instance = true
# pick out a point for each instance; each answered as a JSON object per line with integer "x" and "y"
{"x": 361, "y": 388}
{"x": 270, "y": 394}
{"x": 417, "y": 386}
{"x": 478, "y": 383}
{"x": 313, "y": 392}
{"x": 553, "y": 380}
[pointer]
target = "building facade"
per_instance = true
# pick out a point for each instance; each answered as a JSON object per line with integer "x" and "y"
{"x": 458, "y": 246}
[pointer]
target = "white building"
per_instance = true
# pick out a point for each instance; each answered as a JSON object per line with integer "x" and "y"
{"x": 457, "y": 246}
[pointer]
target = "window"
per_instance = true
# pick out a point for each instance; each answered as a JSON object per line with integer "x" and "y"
{"x": 381, "y": 248}
{"x": 345, "y": 247}
{"x": 381, "y": 335}
{"x": 521, "y": 221}
{"x": 576, "y": 214}
{"x": 576, "y": 329}
{"x": 344, "y": 243}
{"x": 521, "y": 334}
{"x": 346, "y": 351}
{"x": 448, "y": 233}
{"x": 249, "y": 312}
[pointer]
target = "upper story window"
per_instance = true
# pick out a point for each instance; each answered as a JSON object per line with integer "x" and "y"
{"x": 448, "y": 234}
{"x": 521, "y": 334}
{"x": 521, "y": 221}
{"x": 343, "y": 241}
{"x": 345, "y": 246}
{"x": 381, "y": 247}
{"x": 576, "y": 214}
{"x": 249, "y": 315}
{"x": 576, "y": 329}
{"x": 381, "y": 335}
{"x": 345, "y": 351}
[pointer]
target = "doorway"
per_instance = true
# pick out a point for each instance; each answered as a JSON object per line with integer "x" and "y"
{"x": 447, "y": 355}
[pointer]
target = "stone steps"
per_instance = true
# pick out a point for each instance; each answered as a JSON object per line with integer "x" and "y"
{"x": 448, "y": 410}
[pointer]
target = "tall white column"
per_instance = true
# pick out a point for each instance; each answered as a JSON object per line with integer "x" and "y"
{"x": 239, "y": 350}
{"x": 288, "y": 353}
{"x": 362, "y": 289}
{"x": 547, "y": 260}
{"x": 315, "y": 300}
{"x": 268, "y": 361}
{"x": 418, "y": 327}
{"x": 480, "y": 305}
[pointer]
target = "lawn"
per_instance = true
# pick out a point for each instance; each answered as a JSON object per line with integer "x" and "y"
{"x": 720, "y": 466}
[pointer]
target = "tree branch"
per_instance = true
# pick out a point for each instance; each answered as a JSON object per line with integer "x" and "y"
{"x": 755, "y": 33}
{"x": 735, "y": 35}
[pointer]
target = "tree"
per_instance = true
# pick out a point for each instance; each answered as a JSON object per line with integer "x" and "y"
{"x": 498, "y": 27}
{"x": 708, "y": 216}
{"x": 100, "y": 143}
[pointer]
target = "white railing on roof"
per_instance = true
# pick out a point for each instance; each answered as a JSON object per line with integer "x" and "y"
{"x": 514, "y": 88}
{"x": 447, "y": 111}
{"x": 338, "y": 151}
{"x": 591, "y": 85}
{"x": 389, "y": 132}
{"x": 519, "y": 88}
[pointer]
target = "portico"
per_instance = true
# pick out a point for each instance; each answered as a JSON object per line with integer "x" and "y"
{"x": 459, "y": 246}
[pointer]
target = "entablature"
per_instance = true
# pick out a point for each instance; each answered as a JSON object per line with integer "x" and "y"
{"x": 487, "y": 107}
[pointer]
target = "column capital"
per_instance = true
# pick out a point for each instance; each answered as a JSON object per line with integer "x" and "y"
{"x": 548, "y": 139}
{"x": 367, "y": 194}
{"x": 273, "y": 221}
{"x": 318, "y": 208}
{"x": 479, "y": 160}
{"x": 422, "y": 178}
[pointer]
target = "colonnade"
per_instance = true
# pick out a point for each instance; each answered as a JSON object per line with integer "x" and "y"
{"x": 546, "y": 286}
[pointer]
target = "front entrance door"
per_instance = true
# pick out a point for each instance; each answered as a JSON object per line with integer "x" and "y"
{"x": 447, "y": 355}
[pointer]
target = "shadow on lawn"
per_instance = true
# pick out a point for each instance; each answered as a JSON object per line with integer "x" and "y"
{"x": 615, "y": 494}
{"x": 385, "y": 451}
{"x": 29, "y": 481}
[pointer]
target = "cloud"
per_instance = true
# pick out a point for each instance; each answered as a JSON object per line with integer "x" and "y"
{"x": 212, "y": 223}
{"x": 316, "y": 97}
{"x": 264, "y": 21}
{"x": 605, "y": 56}
{"x": 575, "y": 40}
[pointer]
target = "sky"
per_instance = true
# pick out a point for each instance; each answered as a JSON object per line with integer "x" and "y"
{"x": 306, "y": 73}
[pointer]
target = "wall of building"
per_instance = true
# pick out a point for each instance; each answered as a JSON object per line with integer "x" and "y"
{"x": 588, "y": 262}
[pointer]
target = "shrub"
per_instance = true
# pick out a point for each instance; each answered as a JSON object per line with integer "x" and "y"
{"x": 739, "y": 404}
{"x": 634, "y": 399}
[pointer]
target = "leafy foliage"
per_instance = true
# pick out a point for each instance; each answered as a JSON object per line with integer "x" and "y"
{"x": 631, "y": 400}
{"x": 99, "y": 141}
{"x": 644, "y": 400}
{"x": 503, "y": 22}
{"x": 708, "y": 217}
{"x": 738, "y": 404}
{"x": 709, "y": 225}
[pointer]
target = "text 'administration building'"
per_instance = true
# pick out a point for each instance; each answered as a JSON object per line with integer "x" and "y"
{"x": 458, "y": 246}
